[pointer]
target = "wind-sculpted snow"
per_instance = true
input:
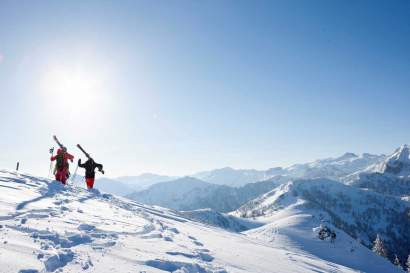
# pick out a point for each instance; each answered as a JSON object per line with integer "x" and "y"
{"x": 45, "y": 227}
{"x": 361, "y": 214}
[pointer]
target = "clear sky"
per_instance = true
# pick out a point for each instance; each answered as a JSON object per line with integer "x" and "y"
{"x": 174, "y": 87}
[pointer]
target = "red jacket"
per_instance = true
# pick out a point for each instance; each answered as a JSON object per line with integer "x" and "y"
{"x": 66, "y": 157}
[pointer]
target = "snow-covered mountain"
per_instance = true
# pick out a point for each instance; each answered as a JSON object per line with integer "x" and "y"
{"x": 193, "y": 193}
{"x": 231, "y": 177}
{"x": 359, "y": 213}
{"x": 180, "y": 194}
{"x": 334, "y": 168}
{"x": 189, "y": 193}
{"x": 331, "y": 168}
{"x": 392, "y": 176}
{"x": 397, "y": 163}
{"x": 46, "y": 227}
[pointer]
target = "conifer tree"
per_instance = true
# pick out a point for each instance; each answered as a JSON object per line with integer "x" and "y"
{"x": 408, "y": 264}
{"x": 378, "y": 247}
{"x": 397, "y": 262}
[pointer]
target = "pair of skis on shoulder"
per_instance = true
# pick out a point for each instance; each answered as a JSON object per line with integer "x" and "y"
{"x": 62, "y": 147}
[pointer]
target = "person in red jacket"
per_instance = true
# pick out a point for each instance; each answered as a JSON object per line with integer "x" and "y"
{"x": 61, "y": 170}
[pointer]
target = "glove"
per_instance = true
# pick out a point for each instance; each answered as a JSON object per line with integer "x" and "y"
{"x": 79, "y": 161}
{"x": 102, "y": 171}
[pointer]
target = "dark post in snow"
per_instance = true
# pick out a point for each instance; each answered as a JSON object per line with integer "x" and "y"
{"x": 17, "y": 167}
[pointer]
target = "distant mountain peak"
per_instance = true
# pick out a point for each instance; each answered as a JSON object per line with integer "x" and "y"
{"x": 402, "y": 153}
{"x": 398, "y": 162}
{"x": 348, "y": 155}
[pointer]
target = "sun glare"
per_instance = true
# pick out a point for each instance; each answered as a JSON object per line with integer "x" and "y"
{"x": 72, "y": 87}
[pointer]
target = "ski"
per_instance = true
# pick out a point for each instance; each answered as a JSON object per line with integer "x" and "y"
{"x": 82, "y": 150}
{"x": 87, "y": 155}
{"x": 58, "y": 142}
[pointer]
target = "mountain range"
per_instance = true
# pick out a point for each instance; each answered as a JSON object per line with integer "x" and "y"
{"x": 361, "y": 197}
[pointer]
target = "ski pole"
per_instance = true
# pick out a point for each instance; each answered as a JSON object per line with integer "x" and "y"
{"x": 74, "y": 175}
{"x": 51, "y": 162}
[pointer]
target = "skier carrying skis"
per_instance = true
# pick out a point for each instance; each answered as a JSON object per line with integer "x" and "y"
{"x": 89, "y": 167}
{"x": 61, "y": 170}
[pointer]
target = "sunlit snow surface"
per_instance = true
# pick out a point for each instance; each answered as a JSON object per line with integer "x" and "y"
{"x": 46, "y": 227}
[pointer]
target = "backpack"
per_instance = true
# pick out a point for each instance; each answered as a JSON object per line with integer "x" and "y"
{"x": 60, "y": 164}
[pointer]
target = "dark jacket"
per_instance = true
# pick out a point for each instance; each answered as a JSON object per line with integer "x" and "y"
{"x": 90, "y": 166}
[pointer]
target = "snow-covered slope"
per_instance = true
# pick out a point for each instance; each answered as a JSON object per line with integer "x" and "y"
{"x": 45, "y": 227}
{"x": 190, "y": 194}
{"x": 225, "y": 221}
{"x": 361, "y": 214}
{"x": 392, "y": 176}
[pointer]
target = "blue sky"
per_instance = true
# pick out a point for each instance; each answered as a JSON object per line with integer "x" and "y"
{"x": 175, "y": 87}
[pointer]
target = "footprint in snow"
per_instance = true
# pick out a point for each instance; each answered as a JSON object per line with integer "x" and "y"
{"x": 198, "y": 243}
{"x": 176, "y": 266}
{"x": 146, "y": 229}
{"x": 198, "y": 255}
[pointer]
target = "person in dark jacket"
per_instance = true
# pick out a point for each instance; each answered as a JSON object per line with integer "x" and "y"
{"x": 89, "y": 167}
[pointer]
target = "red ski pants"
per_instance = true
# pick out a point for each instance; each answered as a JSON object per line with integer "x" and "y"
{"x": 61, "y": 175}
{"x": 90, "y": 182}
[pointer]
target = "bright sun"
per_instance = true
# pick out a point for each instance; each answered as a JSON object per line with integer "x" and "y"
{"x": 72, "y": 87}
{"x": 73, "y": 94}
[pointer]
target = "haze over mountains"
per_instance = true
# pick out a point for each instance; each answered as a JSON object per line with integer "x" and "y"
{"x": 332, "y": 168}
{"x": 360, "y": 196}
{"x": 189, "y": 193}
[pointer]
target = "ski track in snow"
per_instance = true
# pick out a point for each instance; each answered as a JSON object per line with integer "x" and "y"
{"x": 51, "y": 228}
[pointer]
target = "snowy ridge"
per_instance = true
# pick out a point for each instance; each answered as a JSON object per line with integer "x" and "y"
{"x": 361, "y": 214}
{"x": 46, "y": 227}
{"x": 231, "y": 177}
{"x": 335, "y": 168}
{"x": 332, "y": 168}
{"x": 398, "y": 163}
{"x": 392, "y": 176}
